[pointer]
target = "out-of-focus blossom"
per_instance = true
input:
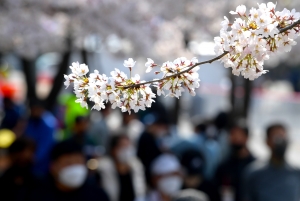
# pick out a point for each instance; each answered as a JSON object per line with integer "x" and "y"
{"x": 129, "y": 63}
{"x": 149, "y": 65}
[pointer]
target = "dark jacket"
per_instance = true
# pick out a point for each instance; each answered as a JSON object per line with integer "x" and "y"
{"x": 47, "y": 191}
{"x": 16, "y": 184}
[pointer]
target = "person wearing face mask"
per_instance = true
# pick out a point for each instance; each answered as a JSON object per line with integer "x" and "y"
{"x": 121, "y": 173}
{"x": 229, "y": 173}
{"x": 166, "y": 177}
{"x": 274, "y": 180}
{"x": 68, "y": 177}
{"x": 153, "y": 138}
{"x": 193, "y": 164}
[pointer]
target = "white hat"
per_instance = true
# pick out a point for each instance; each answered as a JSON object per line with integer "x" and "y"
{"x": 164, "y": 164}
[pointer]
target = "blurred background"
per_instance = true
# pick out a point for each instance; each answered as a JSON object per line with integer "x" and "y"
{"x": 39, "y": 39}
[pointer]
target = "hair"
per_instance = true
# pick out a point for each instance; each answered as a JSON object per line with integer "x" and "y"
{"x": 80, "y": 119}
{"x": 36, "y": 103}
{"x": 271, "y": 127}
{"x": 193, "y": 161}
{"x": 222, "y": 120}
{"x": 241, "y": 125}
{"x": 20, "y": 145}
{"x": 114, "y": 140}
{"x": 65, "y": 148}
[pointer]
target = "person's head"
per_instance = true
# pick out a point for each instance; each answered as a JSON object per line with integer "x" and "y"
{"x": 68, "y": 165}
{"x": 157, "y": 124}
{"x": 193, "y": 165}
{"x": 200, "y": 128}
{"x": 238, "y": 137}
{"x": 277, "y": 140}
{"x": 127, "y": 118}
{"x": 36, "y": 109}
{"x": 81, "y": 125}
{"x": 21, "y": 152}
{"x": 121, "y": 148}
{"x": 166, "y": 174}
{"x": 8, "y": 103}
{"x": 221, "y": 121}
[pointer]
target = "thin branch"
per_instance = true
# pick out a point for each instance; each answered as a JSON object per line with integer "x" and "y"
{"x": 177, "y": 74}
{"x": 290, "y": 26}
{"x": 201, "y": 63}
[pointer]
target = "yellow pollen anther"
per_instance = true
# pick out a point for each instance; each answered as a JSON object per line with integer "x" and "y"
{"x": 253, "y": 25}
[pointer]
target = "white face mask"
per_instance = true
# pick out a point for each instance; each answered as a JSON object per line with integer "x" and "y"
{"x": 170, "y": 185}
{"x": 73, "y": 176}
{"x": 126, "y": 154}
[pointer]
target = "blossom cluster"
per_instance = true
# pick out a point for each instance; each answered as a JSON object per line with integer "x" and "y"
{"x": 174, "y": 85}
{"x": 131, "y": 93}
{"x": 101, "y": 89}
{"x": 252, "y": 38}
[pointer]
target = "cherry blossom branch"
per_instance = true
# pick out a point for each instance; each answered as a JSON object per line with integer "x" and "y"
{"x": 176, "y": 74}
{"x": 200, "y": 63}
{"x": 250, "y": 40}
{"x": 290, "y": 26}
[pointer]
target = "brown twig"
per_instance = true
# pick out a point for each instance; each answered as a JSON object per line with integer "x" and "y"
{"x": 177, "y": 74}
{"x": 200, "y": 63}
{"x": 290, "y": 26}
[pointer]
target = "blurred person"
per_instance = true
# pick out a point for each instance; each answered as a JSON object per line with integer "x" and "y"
{"x": 222, "y": 121}
{"x": 80, "y": 131}
{"x": 122, "y": 173}
{"x": 81, "y": 136}
{"x": 98, "y": 130}
{"x": 154, "y": 138}
{"x": 69, "y": 110}
{"x": 17, "y": 182}
{"x": 41, "y": 127}
{"x": 206, "y": 141}
{"x": 191, "y": 195}
{"x": 229, "y": 173}
{"x": 68, "y": 178}
{"x": 132, "y": 126}
{"x": 193, "y": 164}
{"x": 167, "y": 178}
{"x": 12, "y": 114}
{"x": 274, "y": 180}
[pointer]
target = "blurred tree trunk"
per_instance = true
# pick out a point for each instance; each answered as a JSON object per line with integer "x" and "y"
{"x": 84, "y": 55}
{"x": 247, "y": 97}
{"x": 30, "y": 78}
{"x": 240, "y": 107}
{"x": 59, "y": 78}
{"x": 232, "y": 96}
{"x": 175, "y": 112}
{"x": 58, "y": 81}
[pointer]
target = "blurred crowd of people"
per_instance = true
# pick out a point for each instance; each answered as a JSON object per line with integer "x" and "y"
{"x": 64, "y": 155}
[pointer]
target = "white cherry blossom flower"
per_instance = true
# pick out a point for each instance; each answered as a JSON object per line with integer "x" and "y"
{"x": 241, "y": 10}
{"x": 149, "y": 65}
{"x": 129, "y": 63}
{"x": 67, "y": 82}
